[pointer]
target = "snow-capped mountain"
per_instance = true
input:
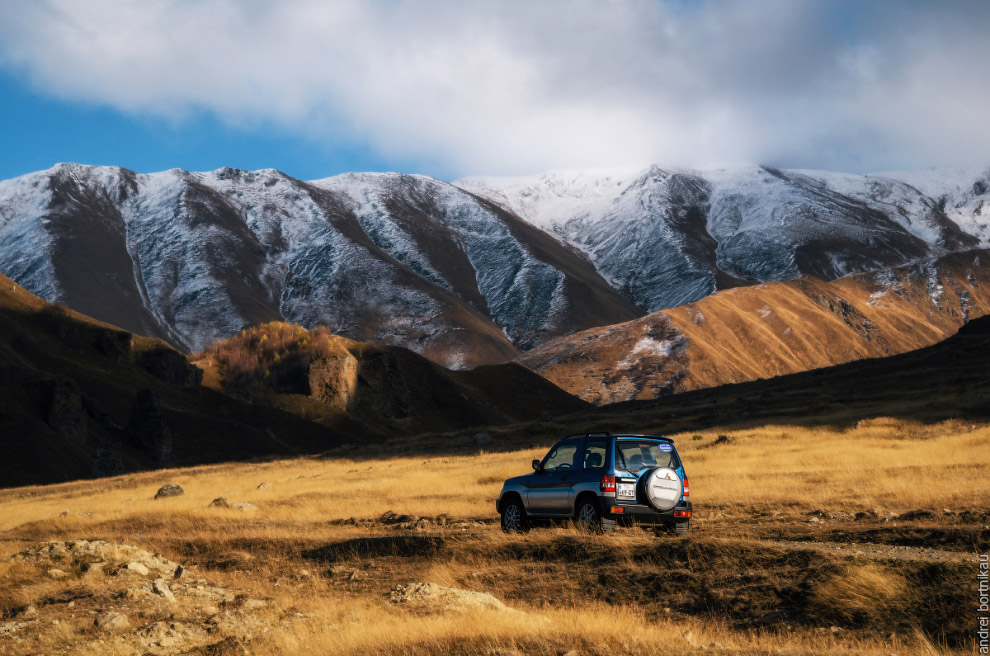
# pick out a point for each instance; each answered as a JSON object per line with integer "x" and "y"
{"x": 963, "y": 194}
{"x": 665, "y": 237}
{"x": 195, "y": 257}
{"x": 465, "y": 273}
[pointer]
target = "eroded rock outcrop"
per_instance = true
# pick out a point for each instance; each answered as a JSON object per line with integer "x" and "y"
{"x": 382, "y": 386}
{"x": 147, "y": 428}
{"x": 61, "y": 406}
{"x": 333, "y": 380}
{"x": 171, "y": 366}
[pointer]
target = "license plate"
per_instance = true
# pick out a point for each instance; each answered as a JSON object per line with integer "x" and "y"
{"x": 626, "y": 490}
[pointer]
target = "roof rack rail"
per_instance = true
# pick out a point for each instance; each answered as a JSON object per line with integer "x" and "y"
{"x": 654, "y": 437}
{"x": 608, "y": 434}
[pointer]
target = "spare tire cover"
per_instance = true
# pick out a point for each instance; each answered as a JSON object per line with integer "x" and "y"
{"x": 662, "y": 488}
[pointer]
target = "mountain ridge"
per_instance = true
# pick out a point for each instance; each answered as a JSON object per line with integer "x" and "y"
{"x": 456, "y": 273}
{"x": 769, "y": 330}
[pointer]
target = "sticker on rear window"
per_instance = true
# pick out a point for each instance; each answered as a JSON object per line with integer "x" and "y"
{"x": 666, "y": 448}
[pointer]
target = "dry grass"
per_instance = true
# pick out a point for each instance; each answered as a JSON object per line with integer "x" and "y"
{"x": 863, "y": 593}
{"x": 893, "y": 464}
{"x": 736, "y": 592}
{"x": 594, "y": 629}
{"x": 885, "y": 462}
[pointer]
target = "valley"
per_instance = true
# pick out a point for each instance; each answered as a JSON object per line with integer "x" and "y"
{"x": 782, "y": 558}
{"x": 300, "y": 425}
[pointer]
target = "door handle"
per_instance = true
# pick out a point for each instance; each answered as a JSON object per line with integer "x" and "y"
{"x": 563, "y": 478}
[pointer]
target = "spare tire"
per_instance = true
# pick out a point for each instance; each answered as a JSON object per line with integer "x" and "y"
{"x": 662, "y": 488}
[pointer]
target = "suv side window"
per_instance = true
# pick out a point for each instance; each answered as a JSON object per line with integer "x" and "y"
{"x": 594, "y": 454}
{"x": 561, "y": 457}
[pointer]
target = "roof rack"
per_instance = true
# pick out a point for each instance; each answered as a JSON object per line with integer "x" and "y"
{"x": 608, "y": 434}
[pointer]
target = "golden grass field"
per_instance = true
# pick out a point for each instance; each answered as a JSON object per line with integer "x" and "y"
{"x": 754, "y": 577}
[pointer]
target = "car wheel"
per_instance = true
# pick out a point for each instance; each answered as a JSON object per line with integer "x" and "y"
{"x": 589, "y": 518}
{"x": 514, "y": 517}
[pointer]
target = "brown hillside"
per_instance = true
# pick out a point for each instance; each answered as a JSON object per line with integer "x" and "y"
{"x": 81, "y": 398}
{"x": 322, "y": 376}
{"x": 769, "y": 330}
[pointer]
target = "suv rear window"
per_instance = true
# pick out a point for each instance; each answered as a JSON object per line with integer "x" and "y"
{"x": 634, "y": 455}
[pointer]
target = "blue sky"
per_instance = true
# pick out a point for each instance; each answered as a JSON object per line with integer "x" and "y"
{"x": 449, "y": 89}
{"x": 37, "y": 131}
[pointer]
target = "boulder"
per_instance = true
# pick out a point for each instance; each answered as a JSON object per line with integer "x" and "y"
{"x": 220, "y": 502}
{"x": 147, "y": 428}
{"x": 95, "y": 570}
{"x": 161, "y": 588}
{"x": 111, "y": 621}
{"x": 431, "y": 595}
{"x": 169, "y": 490}
{"x": 137, "y": 568}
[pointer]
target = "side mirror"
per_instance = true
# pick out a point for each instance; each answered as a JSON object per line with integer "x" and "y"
{"x": 536, "y": 465}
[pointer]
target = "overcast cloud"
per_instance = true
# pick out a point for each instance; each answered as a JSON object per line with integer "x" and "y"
{"x": 517, "y": 87}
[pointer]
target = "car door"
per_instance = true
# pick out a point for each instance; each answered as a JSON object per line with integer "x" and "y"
{"x": 549, "y": 488}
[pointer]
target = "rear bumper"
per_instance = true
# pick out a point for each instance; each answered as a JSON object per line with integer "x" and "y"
{"x": 629, "y": 513}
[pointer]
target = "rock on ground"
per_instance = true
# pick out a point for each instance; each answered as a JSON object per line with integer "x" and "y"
{"x": 169, "y": 490}
{"x": 103, "y": 556}
{"x": 171, "y": 611}
{"x": 111, "y": 621}
{"x": 443, "y": 598}
{"x": 161, "y": 588}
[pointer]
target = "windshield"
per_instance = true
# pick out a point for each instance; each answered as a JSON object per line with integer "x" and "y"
{"x": 635, "y": 455}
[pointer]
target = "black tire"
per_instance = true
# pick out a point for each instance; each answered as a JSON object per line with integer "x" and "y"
{"x": 514, "y": 518}
{"x": 588, "y": 517}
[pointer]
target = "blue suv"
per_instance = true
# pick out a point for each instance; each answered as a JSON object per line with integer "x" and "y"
{"x": 600, "y": 480}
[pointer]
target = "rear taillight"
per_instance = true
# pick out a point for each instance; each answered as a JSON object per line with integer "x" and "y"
{"x": 687, "y": 490}
{"x": 608, "y": 483}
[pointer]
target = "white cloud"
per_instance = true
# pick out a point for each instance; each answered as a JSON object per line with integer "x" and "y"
{"x": 514, "y": 87}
